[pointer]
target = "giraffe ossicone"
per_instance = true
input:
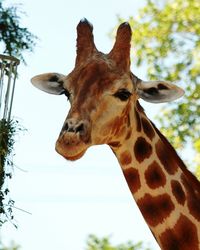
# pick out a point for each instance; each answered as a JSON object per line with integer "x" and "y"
{"x": 104, "y": 94}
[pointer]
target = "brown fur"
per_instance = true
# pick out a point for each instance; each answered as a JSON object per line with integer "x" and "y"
{"x": 155, "y": 209}
{"x": 154, "y": 176}
{"x": 189, "y": 176}
{"x": 182, "y": 237}
{"x": 133, "y": 179}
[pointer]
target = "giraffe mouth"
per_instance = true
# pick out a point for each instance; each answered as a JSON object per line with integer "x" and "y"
{"x": 70, "y": 146}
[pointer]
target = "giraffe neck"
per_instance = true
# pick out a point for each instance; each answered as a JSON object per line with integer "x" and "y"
{"x": 167, "y": 194}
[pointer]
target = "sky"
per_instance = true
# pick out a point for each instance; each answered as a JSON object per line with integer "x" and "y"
{"x": 66, "y": 201}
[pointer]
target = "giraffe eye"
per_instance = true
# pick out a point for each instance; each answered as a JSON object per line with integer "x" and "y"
{"x": 122, "y": 94}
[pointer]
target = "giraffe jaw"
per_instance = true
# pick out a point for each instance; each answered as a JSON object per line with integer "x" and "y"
{"x": 71, "y": 149}
{"x": 71, "y": 157}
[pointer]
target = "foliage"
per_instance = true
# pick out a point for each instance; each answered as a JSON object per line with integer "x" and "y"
{"x": 8, "y": 130}
{"x": 14, "y": 38}
{"x": 95, "y": 243}
{"x": 12, "y": 246}
{"x": 166, "y": 40}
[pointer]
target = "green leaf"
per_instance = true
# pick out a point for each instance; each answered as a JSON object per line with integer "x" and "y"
{"x": 167, "y": 41}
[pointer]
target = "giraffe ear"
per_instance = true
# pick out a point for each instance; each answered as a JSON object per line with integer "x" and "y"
{"x": 51, "y": 83}
{"x": 158, "y": 91}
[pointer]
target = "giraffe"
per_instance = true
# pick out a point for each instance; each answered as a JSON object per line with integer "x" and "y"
{"x": 104, "y": 96}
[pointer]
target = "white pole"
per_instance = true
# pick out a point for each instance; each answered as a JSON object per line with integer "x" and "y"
{"x": 8, "y": 75}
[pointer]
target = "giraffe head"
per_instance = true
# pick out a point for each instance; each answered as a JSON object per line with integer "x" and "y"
{"x": 101, "y": 90}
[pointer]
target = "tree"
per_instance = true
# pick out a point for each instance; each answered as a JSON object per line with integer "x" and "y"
{"x": 14, "y": 39}
{"x": 95, "y": 243}
{"x": 166, "y": 40}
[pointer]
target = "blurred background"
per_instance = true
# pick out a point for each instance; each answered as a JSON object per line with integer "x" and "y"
{"x": 58, "y": 204}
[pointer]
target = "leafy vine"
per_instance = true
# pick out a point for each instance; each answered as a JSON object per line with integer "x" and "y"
{"x": 8, "y": 131}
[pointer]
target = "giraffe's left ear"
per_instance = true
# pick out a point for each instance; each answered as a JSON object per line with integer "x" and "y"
{"x": 158, "y": 91}
{"x": 51, "y": 83}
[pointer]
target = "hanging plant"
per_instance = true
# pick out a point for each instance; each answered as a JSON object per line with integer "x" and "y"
{"x": 8, "y": 131}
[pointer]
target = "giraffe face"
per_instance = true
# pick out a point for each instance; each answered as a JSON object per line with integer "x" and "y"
{"x": 102, "y": 91}
{"x": 100, "y": 97}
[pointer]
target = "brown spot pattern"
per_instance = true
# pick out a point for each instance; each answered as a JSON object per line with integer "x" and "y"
{"x": 113, "y": 127}
{"x": 155, "y": 209}
{"x": 192, "y": 179}
{"x": 133, "y": 179}
{"x": 128, "y": 120}
{"x": 88, "y": 77}
{"x": 178, "y": 192}
{"x": 125, "y": 158}
{"x": 142, "y": 149}
{"x": 117, "y": 124}
{"x": 147, "y": 128}
{"x": 154, "y": 176}
{"x": 138, "y": 121}
{"x": 194, "y": 207}
{"x": 139, "y": 107}
{"x": 115, "y": 144}
{"x": 166, "y": 158}
{"x": 182, "y": 237}
{"x": 128, "y": 135}
{"x": 193, "y": 198}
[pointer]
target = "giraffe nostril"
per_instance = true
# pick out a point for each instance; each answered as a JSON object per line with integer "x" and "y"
{"x": 73, "y": 127}
{"x": 65, "y": 127}
{"x": 68, "y": 128}
{"x": 80, "y": 128}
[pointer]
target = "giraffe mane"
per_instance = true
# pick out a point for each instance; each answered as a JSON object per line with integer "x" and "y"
{"x": 191, "y": 178}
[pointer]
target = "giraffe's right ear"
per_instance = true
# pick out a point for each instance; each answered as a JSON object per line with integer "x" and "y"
{"x": 51, "y": 83}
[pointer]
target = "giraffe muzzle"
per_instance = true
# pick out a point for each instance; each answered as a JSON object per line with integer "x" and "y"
{"x": 79, "y": 129}
{"x": 74, "y": 139}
